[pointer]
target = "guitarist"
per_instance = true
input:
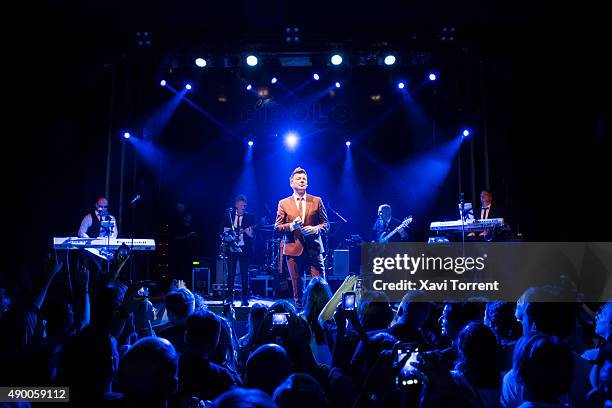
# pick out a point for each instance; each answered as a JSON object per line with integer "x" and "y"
{"x": 385, "y": 224}
{"x": 239, "y": 223}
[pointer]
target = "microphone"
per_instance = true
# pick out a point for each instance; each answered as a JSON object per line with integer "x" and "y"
{"x": 134, "y": 200}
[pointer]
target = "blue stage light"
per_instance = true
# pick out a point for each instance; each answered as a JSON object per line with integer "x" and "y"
{"x": 401, "y": 85}
{"x": 188, "y": 87}
{"x": 432, "y": 77}
{"x": 465, "y": 132}
{"x": 337, "y": 84}
{"x": 126, "y": 135}
{"x": 348, "y": 143}
{"x": 390, "y": 59}
{"x": 274, "y": 80}
{"x": 249, "y": 87}
{"x": 250, "y": 143}
{"x": 200, "y": 62}
{"x": 315, "y": 77}
{"x": 251, "y": 60}
{"x": 291, "y": 140}
{"x": 336, "y": 59}
{"x": 162, "y": 82}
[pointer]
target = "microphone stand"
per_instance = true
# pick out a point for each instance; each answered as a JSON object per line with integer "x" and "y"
{"x": 462, "y": 214}
{"x": 133, "y": 209}
{"x": 338, "y": 215}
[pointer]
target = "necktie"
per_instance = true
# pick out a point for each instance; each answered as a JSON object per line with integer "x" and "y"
{"x": 300, "y": 207}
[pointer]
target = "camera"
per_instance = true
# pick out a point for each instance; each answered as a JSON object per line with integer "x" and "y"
{"x": 279, "y": 319}
{"x": 408, "y": 377}
{"x": 348, "y": 301}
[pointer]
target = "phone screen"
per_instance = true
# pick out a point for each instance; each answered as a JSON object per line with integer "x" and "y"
{"x": 348, "y": 301}
{"x": 280, "y": 318}
{"x": 408, "y": 376}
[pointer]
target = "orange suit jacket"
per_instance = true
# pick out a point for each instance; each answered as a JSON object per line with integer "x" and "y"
{"x": 316, "y": 216}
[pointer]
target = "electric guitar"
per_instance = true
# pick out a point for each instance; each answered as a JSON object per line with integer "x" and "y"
{"x": 404, "y": 224}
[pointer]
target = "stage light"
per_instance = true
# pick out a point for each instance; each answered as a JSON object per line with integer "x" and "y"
{"x": 188, "y": 87}
{"x": 200, "y": 62}
{"x": 291, "y": 140}
{"x": 337, "y": 84}
{"x": 401, "y": 85}
{"x": 249, "y": 87}
{"x": 274, "y": 80}
{"x": 126, "y": 135}
{"x": 250, "y": 143}
{"x": 466, "y": 132}
{"x": 390, "y": 59}
{"x": 251, "y": 60}
{"x": 432, "y": 77}
{"x": 336, "y": 59}
{"x": 162, "y": 82}
{"x": 315, "y": 77}
{"x": 348, "y": 143}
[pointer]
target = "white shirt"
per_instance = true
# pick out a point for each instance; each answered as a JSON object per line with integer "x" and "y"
{"x": 296, "y": 199}
{"x": 237, "y": 223}
{"x": 484, "y": 212}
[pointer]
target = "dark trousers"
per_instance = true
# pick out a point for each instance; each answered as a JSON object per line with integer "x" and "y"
{"x": 234, "y": 258}
{"x": 309, "y": 260}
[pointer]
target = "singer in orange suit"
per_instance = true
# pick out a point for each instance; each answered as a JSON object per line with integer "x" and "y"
{"x": 302, "y": 218}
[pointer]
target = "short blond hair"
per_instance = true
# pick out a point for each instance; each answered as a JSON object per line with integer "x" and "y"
{"x": 297, "y": 170}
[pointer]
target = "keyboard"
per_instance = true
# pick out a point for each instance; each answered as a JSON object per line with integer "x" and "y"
{"x": 136, "y": 244}
{"x": 477, "y": 225}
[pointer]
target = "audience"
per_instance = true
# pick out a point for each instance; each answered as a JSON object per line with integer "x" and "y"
{"x": 267, "y": 367}
{"x": 300, "y": 391}
{"x": 198, "y": 375}
{"x": 316, "y": 296}
{"x": 544, "y": 367}
{"x": 148, "y": 373}
{"x": 180, "y": 303}
{"x": 475, "y": 354}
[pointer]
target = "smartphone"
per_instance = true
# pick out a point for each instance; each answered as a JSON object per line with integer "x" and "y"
{"x": 358, "y": 284}
{"x": 279, "y": 319}
{"x": 348, "y": 301}
{"x": 408, "y": 377}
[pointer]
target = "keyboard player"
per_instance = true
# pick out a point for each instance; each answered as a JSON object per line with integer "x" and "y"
{"x": 97, "y": 260}
{"x": 487, "y": 211}
{"x": 91, "y": 226}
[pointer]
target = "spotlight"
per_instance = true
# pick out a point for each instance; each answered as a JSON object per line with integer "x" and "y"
{"x": 432, "y": 77}
{"x": 291, "y": 140}
{"x": 465, "y": 132}
{"x": 401, "y": 85}
{"x": 390, "y": 59}
{"x": 188, "y": 87}
{"x": 336, "y": 59}
{"x": 250, "y": 143}
{"x": 163, "y": 82}
{"x": 249, "y": 87}
{"x": 274, "y": 80}
{"x": 126, "y": 135}
{"x": 348, "y": 143}
{"x": 337, "y": 84}
{"x": 251, "y": 60}
{"x": 315, "y": 77}
{"x": 200, "y": 62}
